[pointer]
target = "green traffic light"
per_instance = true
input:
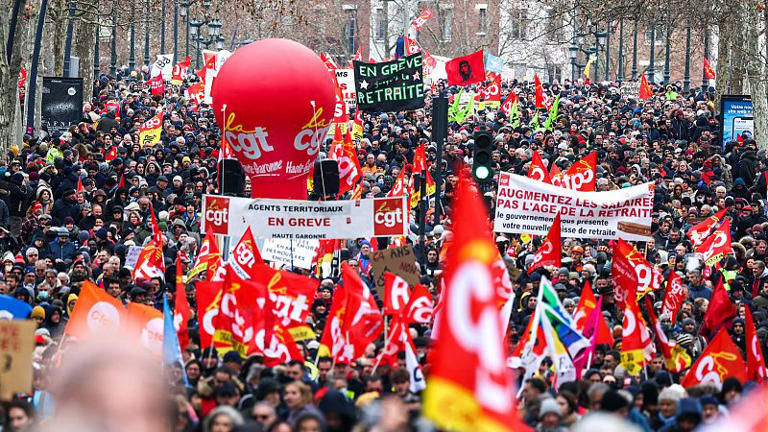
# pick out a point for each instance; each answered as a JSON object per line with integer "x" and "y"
{"x": 482, "y": 172}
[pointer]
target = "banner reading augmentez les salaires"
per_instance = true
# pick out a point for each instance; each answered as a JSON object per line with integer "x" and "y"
{"x": 395, "y": 85}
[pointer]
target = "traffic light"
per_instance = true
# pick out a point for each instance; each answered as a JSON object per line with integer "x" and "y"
{"x": 482, "y": 162}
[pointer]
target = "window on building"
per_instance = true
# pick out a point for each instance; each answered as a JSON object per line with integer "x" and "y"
{"x": 380, "y": 24}
{"x": 482, "y": 19}
{"x": 446, "y": 24}
{"x": 350, "y": 30}
{"x": 518, "y": 23}
{"x": 556, "y": 25}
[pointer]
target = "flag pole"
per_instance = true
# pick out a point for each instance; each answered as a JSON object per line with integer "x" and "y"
{"x": 383, "y": 350}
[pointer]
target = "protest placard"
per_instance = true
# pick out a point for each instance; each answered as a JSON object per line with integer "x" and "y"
{"x": 132, "y": 256}
{"x": 400, "y": 261}
{"x": 296, "y": 253}
{"x": 528, "y": 206}
{"x": 395, "y": 85}
{"x": 296, "y": 219}
{"x": 17, "y": 340}
{"x": 346, "y": 80}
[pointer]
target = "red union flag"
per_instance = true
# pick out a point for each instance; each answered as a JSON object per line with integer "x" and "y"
{"x": 420, "y": 306}
{"x": 183, "y": 312}
{"x": 180, "y": 71}
{"x": 580, "y": 176}
{"x": 717, "y": 245}
{"x": 145, "y": 323}
{"x": 410, "y": 46}
{"x": 396, "y": 294}
{"x": 150, "y": 263}
{"x": 676, "y": 294}
{"x": 245, "y": 256}
{"x": 480, "y": 393}
{"x": 289, "y": 294}
{"x": 699, "y": 232}
{"x": 587, "y": 304}
{"x": 537, "y": 170}
{"x": 756, "y": 370}
{"x": 156, "y": 84}
{"x": 344, "y": 153}
{"x": 675, "y": 356}
{"x": 492, "y": 92}
{"x": 719, "y": 360}
{"x": 420, "y": 20}
{"x": 636, "y": 345}
{"x": 549, "y": 253}
{"x": 632, "y": 273}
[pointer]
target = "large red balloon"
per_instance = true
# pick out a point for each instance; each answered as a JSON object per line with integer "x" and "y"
{"x": 274, "y": 101}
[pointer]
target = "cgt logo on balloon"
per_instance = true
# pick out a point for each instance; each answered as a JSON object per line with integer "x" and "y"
{"x": 388, "y": 217}
{"x": 217, "y": 214}
{"x": 253, "y": 144}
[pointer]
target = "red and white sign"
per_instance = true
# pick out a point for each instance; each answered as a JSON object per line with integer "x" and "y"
{"x": 156, "y": 84}
{"x": 676, "y": 293}
{"x": 298, "y": 219}
{"x": 528, "y": 206}
{"x": 346, "y": 80}
{"x": 419, "y": 22}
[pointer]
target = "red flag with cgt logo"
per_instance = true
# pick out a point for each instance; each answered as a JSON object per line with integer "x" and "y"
{"x": 480, "y": 393}
{"x": 719, "y": 360}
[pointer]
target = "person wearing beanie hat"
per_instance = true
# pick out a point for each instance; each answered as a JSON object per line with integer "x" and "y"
{"x": 38, "y": 315}
{"x": 668, "y": 400}
{"x": 549, "y": 416}
{"x": 710, "y": 409}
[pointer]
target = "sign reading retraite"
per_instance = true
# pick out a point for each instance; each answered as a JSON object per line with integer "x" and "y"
{"x": 396, "y": 85}
{"x": 528, "y": 206}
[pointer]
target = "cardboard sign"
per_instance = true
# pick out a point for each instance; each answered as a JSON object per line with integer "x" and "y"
{"x": 17, "y": 340}
{"x": 399, "y": 261}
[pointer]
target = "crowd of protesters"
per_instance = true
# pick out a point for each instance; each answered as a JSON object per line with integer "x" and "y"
{"x": 53, "y": 238}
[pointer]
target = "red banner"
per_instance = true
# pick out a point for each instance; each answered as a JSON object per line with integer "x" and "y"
{"x": 717, "y": 245}
{"x": 721, "y": 359}
{"x": 549, "y": 253}
{"x": 419, "y": 22}
{"x": 156, "y": 84}
{"x": 699, "y": 232}
{"x": 632, "y": 274}
{"x": 676, "y": 294}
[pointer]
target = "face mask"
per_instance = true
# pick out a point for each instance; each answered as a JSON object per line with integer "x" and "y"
{"x": 43, "y": 295}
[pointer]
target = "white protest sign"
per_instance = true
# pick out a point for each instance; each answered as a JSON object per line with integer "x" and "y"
{"x": 527, "y": 206}
{"x": 132, "y": 256}
{"x": 346, "y": 80}
{"x": 297, "y": 219}
{"x": 296, "y": 253}
{"x": 164, "y": 63}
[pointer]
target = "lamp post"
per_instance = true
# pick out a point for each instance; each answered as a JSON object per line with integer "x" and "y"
{"x": 185, "y": 16}
{"x": 634, "y": 52}
{"x": 687, "y": 76}
{"x": 96, "y": 59}
{"x": 573, "y": 52}
{"x": 68, "y": 43}
{"x": 32, "y": 93}
{"x": 704, "y": 80}
{"x": 666, "y": 56}
{"x": 113, "y": 48}
{"x": 175, "y": 31}
{"x": 194, "y": 26}
{"x": 651, "y": 61}
{"x": 601, "y": 38}
{"x": 620, "y": 69}
{"x": 162, "y": 28}
{"x": 607, "y": 46}
{"x": 132, "y": 56}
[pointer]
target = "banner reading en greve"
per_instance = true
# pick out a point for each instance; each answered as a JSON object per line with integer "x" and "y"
{"x": 527, "y": 206}
{"x": 295, "y": 219}
{"x": 395, "y": 85}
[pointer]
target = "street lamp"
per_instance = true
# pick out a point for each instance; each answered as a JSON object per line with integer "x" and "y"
{"x": 214, "y": 28}
{"x": 573, "y": 52}
{"x": 601, "y": 37}
{"x": 580, "y": 38}
{"x": 220, "y": 43}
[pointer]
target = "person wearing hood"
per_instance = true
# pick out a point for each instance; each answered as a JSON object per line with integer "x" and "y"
{"x": 338, "y": 411}
{"x": 687, "y": 416}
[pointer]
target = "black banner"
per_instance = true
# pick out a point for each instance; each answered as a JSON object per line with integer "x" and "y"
{"x": 62, "y": 103}
{"x": 395, "y": 85}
